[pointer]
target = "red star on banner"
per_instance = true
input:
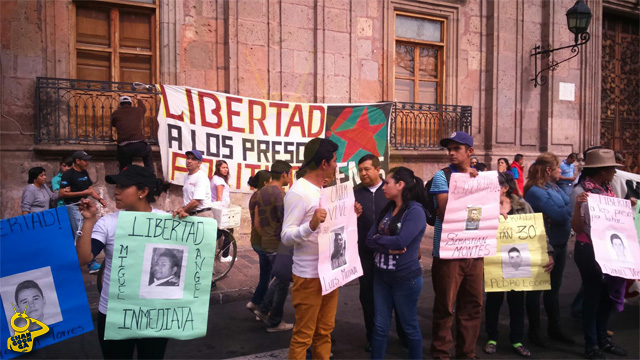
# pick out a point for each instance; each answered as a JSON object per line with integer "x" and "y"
{"x": 360, "y": 136}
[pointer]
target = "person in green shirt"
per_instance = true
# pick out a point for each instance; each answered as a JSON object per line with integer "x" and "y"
{"x": 65, "y": 164}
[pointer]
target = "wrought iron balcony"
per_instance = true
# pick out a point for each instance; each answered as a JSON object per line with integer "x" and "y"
{"x": 416, "y": 126}
{"x": 71, "y": 111}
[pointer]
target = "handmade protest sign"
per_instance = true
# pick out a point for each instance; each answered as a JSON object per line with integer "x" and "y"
{"x": 40, "y": 278}
{"x": 338, "y": 258}
{"x": 614, "y": 236}
{"x": 250, "y": 134}
{"x": 522, "y": 250}
{"x": 471, "y": 218}
{"x": 163, "y": 267}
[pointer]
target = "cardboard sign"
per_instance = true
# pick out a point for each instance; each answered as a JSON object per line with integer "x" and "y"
{"x": 338, "y": 258}
{"x": 471, "y": 218}
{"x": 522, "y": 251}
{"x": 40, "y": 278}
{"x": 160, "y": 277}
{"x": 614, "y": 236}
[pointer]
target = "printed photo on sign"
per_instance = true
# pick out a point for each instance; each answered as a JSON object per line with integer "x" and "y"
{"x": 516, "y": 261}
{"x": 338, "y": 248}
{"x": 618, "y": 248}
{"x": 474, "y": 214}
{"x": 163, "y": 270}
{"x": 34, "y": 291}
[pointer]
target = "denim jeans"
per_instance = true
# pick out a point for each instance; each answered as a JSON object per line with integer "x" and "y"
{"x": 551, "y": 297}
{"x": 596, "y": 304}
{"x": 265, "y": 276}
{"x": 389, "y": 292}
{"x": 76, "y": 219}
{"x": 566, "y": 187}
{"x": 273, "y": 302}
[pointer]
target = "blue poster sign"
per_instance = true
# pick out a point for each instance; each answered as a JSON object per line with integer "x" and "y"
{"x": 43, "y": 296}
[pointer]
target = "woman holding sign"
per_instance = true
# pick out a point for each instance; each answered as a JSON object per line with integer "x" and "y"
{"x": 599, "y": 291}
{"x": 544, "y": 196}
{"x": 510, "y": 204}
{"x": 136, "y": 188}
{"x": 395, "y": 239}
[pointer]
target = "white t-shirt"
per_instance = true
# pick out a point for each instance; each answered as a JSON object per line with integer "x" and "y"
{"x": 105, "y": 232}
{"x": 217, "y": 180}
{"x": 374, "y": 188}
{"x": 196, "y": 186}
{"x": 300, "y": 202}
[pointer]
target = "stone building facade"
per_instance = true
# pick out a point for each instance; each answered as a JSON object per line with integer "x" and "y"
{"x": 455, "y": 52}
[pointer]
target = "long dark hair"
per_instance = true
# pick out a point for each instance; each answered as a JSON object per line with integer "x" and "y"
{"x": 217, "y": 172}
{"x": 506, "y": 162}
{"x": 34, "y": 172}
{"x": 413, "y": 191}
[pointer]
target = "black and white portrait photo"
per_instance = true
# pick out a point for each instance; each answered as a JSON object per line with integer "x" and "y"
{"x": 618, "y": 248}
{"x": 338, "y": 248}
{"x": 516, "y": 261}
{"x": 34, "y": 292}
{"x": 163, "y": 271}
{"x": 474, "y": 214}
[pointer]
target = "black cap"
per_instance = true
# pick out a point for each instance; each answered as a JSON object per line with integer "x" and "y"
{"x": 133, "y": 175}
{"x": 81, "y": 155}
{"x": 460, "y": 137}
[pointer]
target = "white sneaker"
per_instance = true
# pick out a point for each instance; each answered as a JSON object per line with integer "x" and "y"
{"x": 251, "y": 306}
{"x": 226, "y": 259}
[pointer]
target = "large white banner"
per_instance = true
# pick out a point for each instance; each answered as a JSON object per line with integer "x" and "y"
{"x": 250, "y": 134}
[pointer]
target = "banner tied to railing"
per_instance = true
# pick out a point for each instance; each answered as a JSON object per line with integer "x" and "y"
{"x": 250, "y": 134}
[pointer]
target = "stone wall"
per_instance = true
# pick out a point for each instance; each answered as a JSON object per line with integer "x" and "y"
{"x": 329, "y": 51}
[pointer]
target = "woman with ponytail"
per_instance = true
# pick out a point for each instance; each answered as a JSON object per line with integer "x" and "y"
{"x": 135, "y": 190}
{"x": 395, "y": 239}
{"x": 544, "y": 196}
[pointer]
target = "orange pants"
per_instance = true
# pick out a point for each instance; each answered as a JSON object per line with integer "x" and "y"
{"x": 315, "y": 319}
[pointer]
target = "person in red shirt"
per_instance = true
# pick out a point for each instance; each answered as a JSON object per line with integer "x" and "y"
{"x": 517, "y": 167}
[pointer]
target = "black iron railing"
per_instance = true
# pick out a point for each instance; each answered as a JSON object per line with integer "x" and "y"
{"x": 79, "y": 111}
{"x": 421, "y": 126}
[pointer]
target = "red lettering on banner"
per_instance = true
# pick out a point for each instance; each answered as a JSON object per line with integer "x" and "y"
{"x": 192, "y": 108}
{"x": 165, "y": 102}
{"x": 279, "y": 107}
{"x": 239, "y": 176}
{"x": 259, "y": 120}
{"x": 231, "y": 113}
{"x": 254, "y": 168}
{"x": 297, "y": 111}
{"x": 175, "y": 167}
{"x": 312, "y": 109}
{"x": 215, "y": 111}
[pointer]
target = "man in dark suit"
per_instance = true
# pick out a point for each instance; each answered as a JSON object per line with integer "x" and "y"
{"x": 165, "y": 269}
{"x": 370, "y": 196}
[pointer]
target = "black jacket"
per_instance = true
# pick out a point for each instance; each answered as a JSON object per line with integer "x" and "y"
{"x": 372, "y": 204}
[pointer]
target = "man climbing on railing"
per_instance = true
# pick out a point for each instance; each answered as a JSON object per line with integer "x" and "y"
{"x": 128, "y": 122}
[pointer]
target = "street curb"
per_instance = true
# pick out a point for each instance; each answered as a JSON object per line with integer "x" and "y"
{"x": 233, "y": 295}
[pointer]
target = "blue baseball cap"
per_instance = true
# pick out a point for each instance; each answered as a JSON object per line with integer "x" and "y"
{"x": 460, "y": 137}
{"x": 196, "y": 154}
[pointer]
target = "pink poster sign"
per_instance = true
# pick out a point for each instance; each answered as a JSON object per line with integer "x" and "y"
{"x": 338, "y": 258}
{"x": 614, "y": 236}
{"x": 471, "y": 221}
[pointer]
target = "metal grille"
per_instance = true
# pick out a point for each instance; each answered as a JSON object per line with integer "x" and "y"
{"x": 74, "y": 111}
{"x": 421, "y": 126}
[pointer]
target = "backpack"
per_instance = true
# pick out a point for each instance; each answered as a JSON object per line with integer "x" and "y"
{"x": 432, "y": 212}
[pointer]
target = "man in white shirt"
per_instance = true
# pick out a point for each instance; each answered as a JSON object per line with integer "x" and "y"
{"x": 196, "y": 193}
{"x": 315, "y": 313}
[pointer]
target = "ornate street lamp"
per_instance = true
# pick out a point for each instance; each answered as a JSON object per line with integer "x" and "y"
{"x": 578, "y": 20}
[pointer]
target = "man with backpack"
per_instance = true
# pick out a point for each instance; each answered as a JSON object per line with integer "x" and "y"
{"x": 454, "y": 280}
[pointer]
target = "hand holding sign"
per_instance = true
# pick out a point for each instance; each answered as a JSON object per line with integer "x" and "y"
{"x": 318, "y": 218}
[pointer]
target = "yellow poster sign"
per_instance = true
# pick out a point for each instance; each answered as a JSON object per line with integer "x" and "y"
{"x": 522, "y": 250}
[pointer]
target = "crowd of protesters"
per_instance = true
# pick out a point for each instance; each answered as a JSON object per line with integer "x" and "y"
{"x": 392, "y": 219}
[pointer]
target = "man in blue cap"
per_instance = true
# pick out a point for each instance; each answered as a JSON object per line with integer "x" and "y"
{"x": 454, "y": 280}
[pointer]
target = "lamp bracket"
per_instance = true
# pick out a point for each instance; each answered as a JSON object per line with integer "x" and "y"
{"x": 545, "y": 52}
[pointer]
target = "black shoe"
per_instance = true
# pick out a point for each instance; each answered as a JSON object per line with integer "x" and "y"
{"x": 559, "y": 335}
{"x": 368, "y": 347}
{"x": 594, "y": 353}
{"x": 611, "y": 348}
{"x": 535, "y": 336}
